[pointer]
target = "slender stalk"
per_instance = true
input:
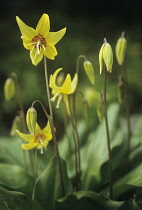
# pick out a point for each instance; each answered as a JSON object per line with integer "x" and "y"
{"x": 127, "y": 116}
{"x": 77, "y": 158}
{"x": 19, "y": 96}
{"x": 77, "y": 63}
{"x": 53, "y": 131}
{"x": 108, "y": 139}
{"x": 77, "y": 139}
{"x": 36, "y": 163}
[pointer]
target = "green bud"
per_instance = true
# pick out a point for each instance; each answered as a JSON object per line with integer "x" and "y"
{"x": 85, "y": 107}
{"x": 88, "y": 67}
{"x": 16, "y": 125}
{"x": 106, "y": 55}
{"x": 31, "y": 118}
{"x": 120, "y": 49}
{"x": 9, "y": 89}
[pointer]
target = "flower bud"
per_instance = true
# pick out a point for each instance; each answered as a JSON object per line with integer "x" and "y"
{"x": 120, "y": 49}
{"x": 88, "y": 67}
{"x": 16, "y": 125}
{"x": 85, "y": 107}
{"x": 106, "y": 55}
{"x": 31, "y": 118}
{"x": 9, "y": 89}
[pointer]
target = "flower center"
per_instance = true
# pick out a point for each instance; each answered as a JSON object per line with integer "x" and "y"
{"x": 39, "y": 42}
{"x": 40, "y": 138}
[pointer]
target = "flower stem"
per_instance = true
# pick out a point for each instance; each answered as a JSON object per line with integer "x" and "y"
{"x": 76, "y": 141}
{"x": 77, "y": 63}
{"x": 53, "y": 131}
{"x": 127, "y": 116}
{"x": 108, "y": 139}
{"x": 22, "y": 112}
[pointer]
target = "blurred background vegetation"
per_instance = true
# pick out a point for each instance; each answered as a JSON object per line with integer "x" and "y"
{"x": 87, "y": 22}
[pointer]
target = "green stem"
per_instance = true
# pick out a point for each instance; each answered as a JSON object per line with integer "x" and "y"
{"x": 127, "y": 117}
{"x": 77, "y": 139}
{"x": 53, "y": 131}
{"x": 19, "y": 96}
{"x": 77, "y": 167}
{"x": 36, "y": 163}
{"x": 108, "y": 139}
{"x": 77, "y": 64}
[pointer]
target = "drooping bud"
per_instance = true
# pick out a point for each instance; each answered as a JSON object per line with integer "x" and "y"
{"x": 120, "y": 49}
{"x": 16, "y": 125}
{"x": 88, "y": 67}
{"x": 85, "y": 107}
{"x": 106, "y": 55}
{"x": 31, "y": 118}
{"x": 9, "y": 89}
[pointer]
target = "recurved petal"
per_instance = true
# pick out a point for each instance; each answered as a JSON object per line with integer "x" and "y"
{"x": 47, "y": 131}
{"x": 37, "y": 129}
{"x": 66, "y": 87}
{"x": 36, "y": 58}
{"x": 53, "y": 81}
{"x": 50, "y": 52}
{"x": 30, "y": 145}
{"x": 43, "y": 25}
{"x": 74, "y": 83}
{"x": 26, "y": 137}
{"x": 54, "y": 37}
{"x": 26, "y": 31}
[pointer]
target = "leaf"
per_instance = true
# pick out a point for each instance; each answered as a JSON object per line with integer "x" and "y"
{"x": 129, "y": 184}
{"x": 11, "y": 151}
{"x": 86, "y": 200}
{"x": 95, "y": 151}
{"x": 15, "y": 178}
{"x": 47, "y": 188}
{"x": 10, "y": 200}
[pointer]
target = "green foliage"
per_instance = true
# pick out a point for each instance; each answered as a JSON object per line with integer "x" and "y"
{"x": 47, "y": 188}
{"x": 127, "y": 186}
{"x": 10, "y": 200}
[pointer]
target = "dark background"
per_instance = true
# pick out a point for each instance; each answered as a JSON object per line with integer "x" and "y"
{"x": 87, "y": 22}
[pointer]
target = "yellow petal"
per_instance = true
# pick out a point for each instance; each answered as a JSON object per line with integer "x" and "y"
{"x": 53, "y": 81}
{"x": 27, "y": 43}
{"x": 43, "y": 25}
{"x": 54, "y": 37}
{"x": 37, "y": 129}
{"x": 50, "y": 52}
{"x": 47, "y": 132}
{"x": 74, "y": 83}
{"x": 30, "y": 145}
{"x": 26, "y": 137}
{"x": 36, "y": 58}
{"x": 26, "y": 31}
{"x": 66, "y": 87}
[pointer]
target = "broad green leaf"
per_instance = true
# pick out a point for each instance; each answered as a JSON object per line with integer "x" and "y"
{"x": 47, "y": 188}
{"x": 83, "y": 200}
{"x": 129, "y": 183}
{"x": 13, "y": 177}
{"x": 10, "y": 200}
{"x": 94, "y": 154}
{"x": 11, "y": 151}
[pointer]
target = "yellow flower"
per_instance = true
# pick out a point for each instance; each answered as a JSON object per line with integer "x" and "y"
{"x": 39, "y": 140}
{"x": 40, "y": 41}
{"x": 68, "y": 87}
